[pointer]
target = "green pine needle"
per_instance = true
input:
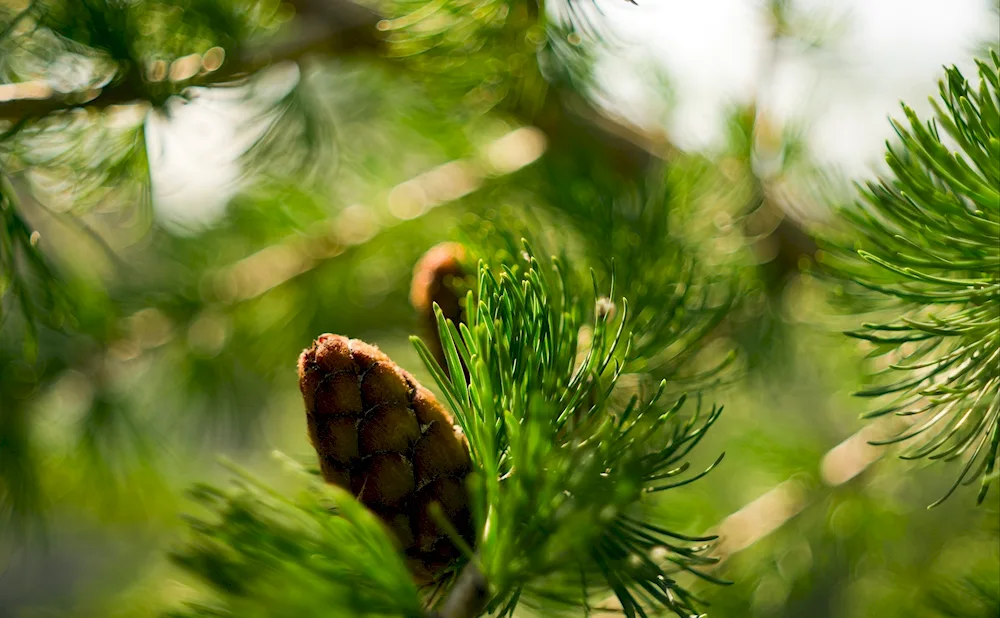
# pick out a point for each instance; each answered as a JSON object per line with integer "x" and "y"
{"x": 562, "y": 461}
{"x": 926, "y": 241}
{"x": 322, "y": 553}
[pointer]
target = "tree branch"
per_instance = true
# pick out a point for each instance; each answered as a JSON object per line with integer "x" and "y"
{"x": 469, "y": 595}
{"x": 327, "y": 26}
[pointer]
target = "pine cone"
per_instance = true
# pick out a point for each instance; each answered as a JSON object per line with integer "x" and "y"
{"x": 433, "y": 282}
{"x": 387, "y": 439}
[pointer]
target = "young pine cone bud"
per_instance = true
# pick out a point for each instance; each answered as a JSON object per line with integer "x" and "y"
{"x": 387, "y": 439}
{"x": 434, "y": 282}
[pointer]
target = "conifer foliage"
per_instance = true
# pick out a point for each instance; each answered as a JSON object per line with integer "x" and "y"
{"x": 926, "y": 242}
{"x": 572, "y": 342}
{"x": 561, "y": 458}
{"x": 320, "y": 553}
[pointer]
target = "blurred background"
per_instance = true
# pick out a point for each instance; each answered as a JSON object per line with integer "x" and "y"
{"x": 193, "y": 244}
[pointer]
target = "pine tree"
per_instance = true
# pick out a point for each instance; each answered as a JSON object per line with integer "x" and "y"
{"x": 539, "y": 448}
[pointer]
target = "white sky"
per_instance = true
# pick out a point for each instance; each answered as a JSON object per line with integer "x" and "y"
{"x": 193, "y": 147}
{"x": 711, "y": 51}
{"x": 886, "y": 51}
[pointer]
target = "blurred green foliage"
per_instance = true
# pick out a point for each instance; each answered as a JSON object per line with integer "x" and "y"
{"x": 133, "y": 351}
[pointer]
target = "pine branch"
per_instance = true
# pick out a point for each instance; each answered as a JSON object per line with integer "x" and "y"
{"x": 561, "y": 462}
{"x": 925, "y": 246}
{"x": 266, "y": 554}
{"x": 330, "y": 27}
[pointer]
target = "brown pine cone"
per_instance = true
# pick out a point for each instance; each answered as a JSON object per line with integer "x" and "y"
{"x": 433, "y": 282}
{"x": 387, "y": 439}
